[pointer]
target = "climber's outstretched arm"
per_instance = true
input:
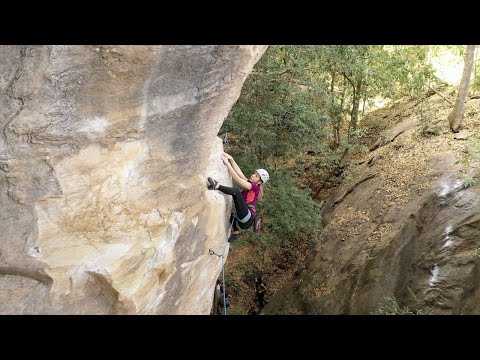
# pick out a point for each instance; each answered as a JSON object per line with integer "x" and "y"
{"x": 235, "y": 167}
{"x": 236, "y": 177}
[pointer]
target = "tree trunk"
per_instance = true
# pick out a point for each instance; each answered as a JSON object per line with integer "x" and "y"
{"x": 343, "y": 93}
{"x": 456, "y": 116}
{"x": 342, "y": 102}
{"x": 353, "y": 101}
{"x": 336, "y": 140}
{"x": 356, "y": 105}
{"x": 332, "y": 84}
{"x": 357, "y": 93}
{"x": 364, "y": 101}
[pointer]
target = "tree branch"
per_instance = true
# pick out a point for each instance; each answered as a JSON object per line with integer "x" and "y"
{"x": 439, "y": 94}
{"x": 280, "y": 73}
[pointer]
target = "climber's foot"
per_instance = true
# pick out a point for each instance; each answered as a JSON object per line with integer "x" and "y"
{"x": 212, "y": 184}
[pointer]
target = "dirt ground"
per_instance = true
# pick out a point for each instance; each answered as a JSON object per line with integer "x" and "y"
{"x": 247, "y": 261}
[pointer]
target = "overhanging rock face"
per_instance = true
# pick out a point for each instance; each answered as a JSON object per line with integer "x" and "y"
{"x": 104, "y": 152}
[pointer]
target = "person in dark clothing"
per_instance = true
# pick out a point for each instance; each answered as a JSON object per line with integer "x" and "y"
{"x": 244, "y": 200}
{"x": 223, "y": 304}
{"x": 218, "y": 301}
{"x": 253, "y": 310}
{"x": 260, "y": 290}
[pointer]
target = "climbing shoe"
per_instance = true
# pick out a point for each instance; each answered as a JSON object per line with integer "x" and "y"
{"x": 212, "y": 183}
{"x": 234, "y": 236}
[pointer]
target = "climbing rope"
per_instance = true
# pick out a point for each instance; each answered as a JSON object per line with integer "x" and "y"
{"x": 211, "y": 252}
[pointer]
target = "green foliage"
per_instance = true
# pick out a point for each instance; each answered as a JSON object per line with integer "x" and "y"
{"x": 297, "y": 98}
{"x": 390, "y": 306}
{"x": 411, "y": 69}
{"x": 288, "y": 100}
{"x": 476, "y": 80}
{"x": 476, "y": 72}
{"x": 426, "y": 114}
{"x": 353, "y": 173}
{"x": 274, "y": 116}
{"x": 465, "y": 161}
{"x": 469, "y": 181}
{"x": 472, "y": 153}
{"x": 291, "y": 210}
{"x": 290, "y": 213}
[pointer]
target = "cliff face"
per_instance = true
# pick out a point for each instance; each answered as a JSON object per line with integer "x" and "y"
{"x": 407, "y": 226}
{"x": 104, "y": 152}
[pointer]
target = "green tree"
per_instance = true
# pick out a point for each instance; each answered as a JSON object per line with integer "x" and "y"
{"x": 456, "y": 116}
{"x": 390, "y": 306}
{"x": 296, "y": 101}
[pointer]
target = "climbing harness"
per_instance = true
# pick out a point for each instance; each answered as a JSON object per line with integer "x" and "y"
{"x": 211, "y": 252}
{"x": 246, "y": 218}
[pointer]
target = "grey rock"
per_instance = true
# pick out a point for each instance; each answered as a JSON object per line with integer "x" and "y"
{"x": 104, "y": 152}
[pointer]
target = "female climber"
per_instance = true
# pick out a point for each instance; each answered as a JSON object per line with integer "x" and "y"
{"x": 245, "y": 200}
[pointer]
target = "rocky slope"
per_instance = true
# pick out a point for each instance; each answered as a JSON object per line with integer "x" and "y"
{"x": 406, "y": 226}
